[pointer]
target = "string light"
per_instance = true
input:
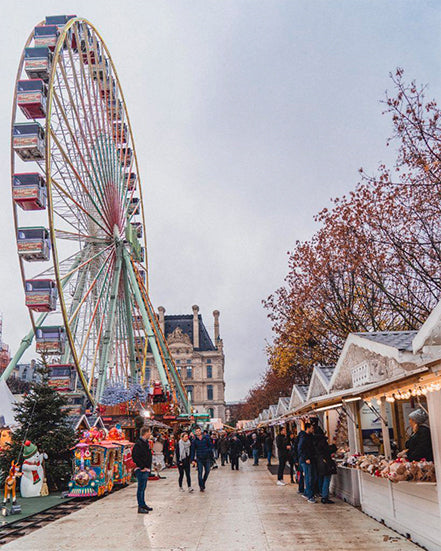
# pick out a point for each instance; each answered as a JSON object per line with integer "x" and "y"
{"x": 416, "y": 391}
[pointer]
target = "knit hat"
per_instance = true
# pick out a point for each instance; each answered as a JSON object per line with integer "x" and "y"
{"x": 419, "y": 416}
{"x": 29, "y": 449}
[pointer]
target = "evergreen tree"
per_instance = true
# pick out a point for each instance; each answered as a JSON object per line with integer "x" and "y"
{"x": 42, "y": 420}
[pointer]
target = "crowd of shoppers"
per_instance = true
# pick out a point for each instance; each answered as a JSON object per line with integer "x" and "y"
{"x": 308, "y": 454}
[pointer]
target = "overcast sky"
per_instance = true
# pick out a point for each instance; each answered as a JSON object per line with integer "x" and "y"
{"x": 248, "y": 116}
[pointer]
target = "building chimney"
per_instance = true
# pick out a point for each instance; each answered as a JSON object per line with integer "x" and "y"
{"x": 216, "y": 327}
{"x": 161, "y": 312}
{"x": 196, "y": 326}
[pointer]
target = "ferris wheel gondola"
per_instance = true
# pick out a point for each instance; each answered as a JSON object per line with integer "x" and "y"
{"x": 79, "y": 212}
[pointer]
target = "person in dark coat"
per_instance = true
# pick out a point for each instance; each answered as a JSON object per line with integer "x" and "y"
{"x": 202, "y": 455}
{"x": 306, "y": 453}
{"x": 235, "y": 450}
{"x": 283, "y": 450}
{"x": 268, "y": 447}
{"x": 419, "y": 445}
{"x": 224, "y": 446}
{"x": 142, "y": 457}
{"x": 255, "y": 447}
{"x": 292, "y": 456}
{"x": 325, "y": 464}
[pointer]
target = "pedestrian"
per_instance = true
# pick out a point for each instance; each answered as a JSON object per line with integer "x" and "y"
{"x": 292, "y": 456}
{"x": 326, "y": 466}
{"x": 299, "y": 472}
{"x": 306, "y": 454}
{"x": 183, "y": 453}
{"x": 255, "y": 447}
{"x": 283, "y": 449}
{"x": 268, "y": 443}
{"x": 142, "y": 457}
{"x": 201, "y": 455}
{"x": 158, "y": 454}
{"x": 166, "y": 450}
{"x": 236, "y": 448}
{"x": 224, "y": 445}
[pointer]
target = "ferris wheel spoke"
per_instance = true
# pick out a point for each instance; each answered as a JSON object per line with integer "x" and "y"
{"x": 60, "y": 188}
{"x": 86, "y": 175}
{"x": 104, "y": 287}
{"x": 86, "y": 294}
{"x": 88, "y": 261}
{"x": 85, "y": 168}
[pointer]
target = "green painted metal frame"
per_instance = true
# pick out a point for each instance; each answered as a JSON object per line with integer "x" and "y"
{"x": 107, "y": 338}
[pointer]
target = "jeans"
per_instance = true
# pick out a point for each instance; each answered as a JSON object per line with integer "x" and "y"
{"x": 184, "y": 467}
{"x": 324, "y": 482}
{"x": 142, "y": 478}
{"x": 291, "y": 468}
{"x": 268, "y": 457}
{"x": 308, "y": 475}
{"x": 256, "y": 457}
{"x": 281, "y": 469}
{"x": 203, "y": 466}
{"x": 224, "y": 458}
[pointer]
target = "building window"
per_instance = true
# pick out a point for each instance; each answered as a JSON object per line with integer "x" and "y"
{"x": 189, "y": 361}
{"x": 209, "y": 372}
{"x": 208, "y": 360}
{"x": 211, "y": 412}
{"x": 189, "y": 372}
{"x": 147, "y": 362}
{"x": 178, "y": 361}
{"x": 189, "y": 389}
{"x": 209, "y": 392}
{"x": 147, "y": 373}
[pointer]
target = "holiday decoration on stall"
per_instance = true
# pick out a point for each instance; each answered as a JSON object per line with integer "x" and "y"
{"x": 33, "y": 472}
{"x": 43, "y": 422}
{"x": 11, "y": 484}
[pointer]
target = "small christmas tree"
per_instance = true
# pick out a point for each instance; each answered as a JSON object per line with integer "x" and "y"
{"x": 42, "y": 420}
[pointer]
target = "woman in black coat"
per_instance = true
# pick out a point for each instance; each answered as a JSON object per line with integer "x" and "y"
{"x": 325, "y": 464}
{"x": 419, "y": 445}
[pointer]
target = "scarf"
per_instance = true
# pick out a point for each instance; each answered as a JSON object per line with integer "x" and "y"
{"x": 184, "y": 449}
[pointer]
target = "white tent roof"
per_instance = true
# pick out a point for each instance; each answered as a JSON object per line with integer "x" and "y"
{"x": 7, "y": 402}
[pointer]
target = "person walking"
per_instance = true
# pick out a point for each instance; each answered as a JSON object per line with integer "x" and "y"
{"x": 201, "y": 455}
{"x": 325, "y": 464}
{"x": 292, "y": 455}
{"x": 183, "y": 453}
{"x": 224, "y": 445}
{"x": 236, "y": 448}
{"x": 283, "y": 449}
{"x": 306, "y": 454}
{"x": 268, "y": 444}
{"x": 142, "y": 457}
{"x": 255, "y": 448}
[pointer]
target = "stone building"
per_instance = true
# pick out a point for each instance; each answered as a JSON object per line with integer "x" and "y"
{"x": 199, "y": 359}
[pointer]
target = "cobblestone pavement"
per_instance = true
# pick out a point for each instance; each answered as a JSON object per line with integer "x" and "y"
{"x": 240, "y": 511}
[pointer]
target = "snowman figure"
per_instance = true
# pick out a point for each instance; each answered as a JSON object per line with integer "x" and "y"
{"x": 33, "y": 473}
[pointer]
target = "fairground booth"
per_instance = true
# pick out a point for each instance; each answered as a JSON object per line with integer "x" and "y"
{"x": 384, "y": 389}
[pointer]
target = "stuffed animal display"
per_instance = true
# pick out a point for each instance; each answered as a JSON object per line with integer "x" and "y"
{"x": 397, "y": 470}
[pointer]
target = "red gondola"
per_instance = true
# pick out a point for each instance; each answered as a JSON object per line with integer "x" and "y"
{"x": 29, "y": 191}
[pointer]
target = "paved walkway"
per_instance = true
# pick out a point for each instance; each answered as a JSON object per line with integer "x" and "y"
{"x": 240, "y": 511}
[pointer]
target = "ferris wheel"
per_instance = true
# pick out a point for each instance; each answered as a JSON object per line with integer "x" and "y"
{"x": 79, "y": 213}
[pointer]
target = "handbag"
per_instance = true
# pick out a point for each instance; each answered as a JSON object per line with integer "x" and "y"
{"x": 244, "y": 457}
{"x": 333, "y": 466}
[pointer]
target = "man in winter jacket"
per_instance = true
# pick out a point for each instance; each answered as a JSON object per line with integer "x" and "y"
{"x": 142, "y": 457}
{"x": 224, "y": 445}
{"x": 283, "y": 450}
{"x": 306, "y": 454}
{"x": 202, "y": 455}
{"x": 235, "y": 451}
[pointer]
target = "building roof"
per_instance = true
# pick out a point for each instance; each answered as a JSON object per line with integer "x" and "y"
{"x": 185, "y": 322}
{"x": 326, "y": 371}
{"x": 303, "y": 390}
{"x": 401, "y": 340}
